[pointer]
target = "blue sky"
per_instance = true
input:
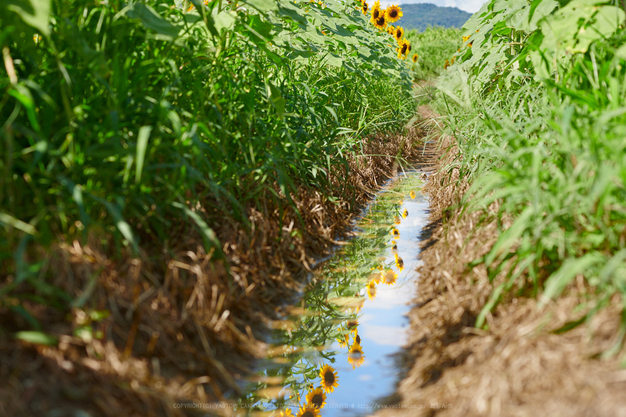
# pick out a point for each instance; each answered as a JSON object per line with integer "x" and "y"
{"x": 471, "y": 6}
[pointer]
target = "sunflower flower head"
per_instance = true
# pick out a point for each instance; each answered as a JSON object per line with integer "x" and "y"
{"x": 381, "y": 21}
{"x": 412, "y": 194}
{"x": 329, "y": 378}
{"x": 394, "y": 13}
{"x": 364, "y": 8}
{"x": 316, "y": 398}
{"x": 307, "y": 410}
{"x": 391, "y": 29}
{"x": 399, "y": 34}
{"x": 375, "y": 12}
{"x": 355, "y": 355}
{"x": 405, "y": 213}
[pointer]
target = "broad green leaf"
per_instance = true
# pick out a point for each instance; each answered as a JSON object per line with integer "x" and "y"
{"x": 35, "y": 13}
{"x": 152, "y": 20}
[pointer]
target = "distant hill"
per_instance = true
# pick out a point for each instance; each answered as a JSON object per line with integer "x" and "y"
{"x": 420, "y": 16}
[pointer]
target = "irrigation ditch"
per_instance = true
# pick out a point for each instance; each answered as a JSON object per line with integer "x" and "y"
{"x": 180, "y": 332}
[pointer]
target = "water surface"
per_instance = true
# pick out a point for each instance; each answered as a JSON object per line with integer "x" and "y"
{"x": 336, "y": 347}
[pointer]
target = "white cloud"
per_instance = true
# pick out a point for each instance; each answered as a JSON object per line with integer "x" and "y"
{"x": 470, "y": 6}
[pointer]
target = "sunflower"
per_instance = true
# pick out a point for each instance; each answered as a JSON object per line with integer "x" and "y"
{"x": 394, "y": 249}
{"x": 466, "y": 38}
{"x": 395, "y": 233}
{"x": 329, "y": 379}
{"x": 412, "y": 194}
{"x": 396, "y": 220}
{"x": 394, "y": 13}
{"x": 352, "y": 325}
{"x": 285, "y": 412}
{"x": 307, "y": 410}
{"x": 371, "y": 290}
{"x": 446, "y": 64}
{"x": 405, "y": 213}
{"x": 399, "y": 263}
{"x": 375, "y": 11}
{"x": 403, "y": 49}
{"x": 381, "y": 21}
{"x": 355, "y": 356}
{"x": 390, "y": 277}
{"x": 391, "y": 30}
{"x": 316, "y": 398}
{"x": 364, "y": 8}
{"x": 399, "y": 34}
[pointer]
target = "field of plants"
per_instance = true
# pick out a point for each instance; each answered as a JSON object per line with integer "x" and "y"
{"x": 168, "y": 173}
{"x": 536, "y": 101}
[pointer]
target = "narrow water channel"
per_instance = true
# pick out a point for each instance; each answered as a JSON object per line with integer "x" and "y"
{"x": 332, "y": 355}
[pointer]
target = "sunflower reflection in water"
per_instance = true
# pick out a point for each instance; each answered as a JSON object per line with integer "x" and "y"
{"x": 316, "y": 398}
{"x": 329, "y": 378}
{"x": 389, "y": 277}
{"x": 371, "y": 289}
{"x": 308, "y": 410}
{"x": 355, "y": 355}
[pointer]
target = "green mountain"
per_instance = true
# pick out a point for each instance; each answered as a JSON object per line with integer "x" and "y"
{"x": 422, "y": 15}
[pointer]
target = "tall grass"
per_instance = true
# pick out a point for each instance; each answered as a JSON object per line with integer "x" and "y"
{"x": 542, "y": 90}
{"x": 128, "y": 119}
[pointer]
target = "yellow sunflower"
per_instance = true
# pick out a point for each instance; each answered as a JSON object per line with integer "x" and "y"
{"x": 405, "y": 213}
{"x": 415, "y": 56}
{"x": 391, "y": 30}
{"x": 395, "y": 233}
{"x": 371, "y": 290}
{"x": 375, "y": 11}
{"x": 446, "y": 64}
{"x": 364, "y": 8}
{"x": 390, "y": 277}
{"x": 329, "y": 378}
{"x": 399, "y": 263}
{"x": 352, "y": 325}
{"x": 206, "y": 3}
{"x": 285, "y": 412}
{"x": 355, "y": 356}
{"x": 466, "y": 38}
{"x": 316, "y": 398}
{"x": 412, "y": 194}
{"x": 399, "y": 34}
{"x": 307, "y": 410}
{"x": 381, "y": 21}
{"x": 394, "y": 249}
{"x": 393, "y": 13}
{"x": 397, "y": 220}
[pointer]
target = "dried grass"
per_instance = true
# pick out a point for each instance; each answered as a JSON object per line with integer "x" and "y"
{"x": 181, "y": 328}
{"x": 519, "y": 367}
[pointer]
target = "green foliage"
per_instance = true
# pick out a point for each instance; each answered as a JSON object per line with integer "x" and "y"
{"x": 131, "y": 119}
{"x": 542, "y": 91}
{"x": 421, "y": 16}
{"x": 434, "y": 46}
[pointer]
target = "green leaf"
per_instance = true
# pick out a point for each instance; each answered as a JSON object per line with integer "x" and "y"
{"x": 35, "y": 13}
{"x": 152, "y": 20}
{"x": 508, "y": 238}
{"x": 9, "y": 220}
{"x": 566, "y": 273}
{"x": 38, "y": 338}
{"x": 208, "y": 235}
{"x": 142, "y": 145}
